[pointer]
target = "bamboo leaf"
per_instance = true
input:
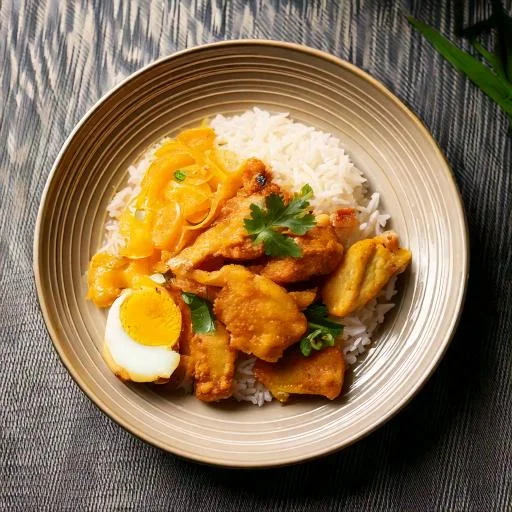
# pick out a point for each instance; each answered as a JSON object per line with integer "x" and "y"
{"x": 503, "y": 47}
{"x": 491, "y": 58}
{"x": 478, "y": 28}
{"x": 489, "y": 82}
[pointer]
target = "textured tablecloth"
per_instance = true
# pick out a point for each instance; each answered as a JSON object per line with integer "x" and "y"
{"x": 449, "y": 449}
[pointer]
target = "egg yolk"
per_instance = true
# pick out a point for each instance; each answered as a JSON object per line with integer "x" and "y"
{"x": 108, "y": 275}
{"x": 150, "y": 317}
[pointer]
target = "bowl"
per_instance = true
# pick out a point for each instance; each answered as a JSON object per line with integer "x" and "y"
{"x": 388, "y": 142}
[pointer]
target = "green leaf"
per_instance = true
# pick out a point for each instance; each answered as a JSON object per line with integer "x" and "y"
{"x": 315, "y": 339}
{"x": 257, "y": 221}
{"x": 295, "y": 215}
{"x": 305, "y": 346}
{"x": 203, "y": 319}
{"x": 180, "y": 175}
{"x": 493, "y": 61}
{"x": 278, "y": 245}
{"x": 322, "y": 332}
{"x": 317, "y": 310}
{"x": 264, "y": 224}
{"x": 306, "y": 191}
{"x": 503, "y": 46}
{"x": 501, "y": 58}
{"x": 275, "y": 208}
{"x": 494, "y": 86}
{"x": 318, "y": 316}
{"x": 478, "y": 28}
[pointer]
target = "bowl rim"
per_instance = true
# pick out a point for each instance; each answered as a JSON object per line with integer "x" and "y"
{"x": 420, "y": 379}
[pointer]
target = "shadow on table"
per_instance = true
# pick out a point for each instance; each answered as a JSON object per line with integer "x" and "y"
{"x": 420, "y": 430}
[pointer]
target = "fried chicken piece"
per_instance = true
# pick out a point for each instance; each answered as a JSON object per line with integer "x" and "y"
{"x": 219, "y": 278}
{"x": 344, "y": 221}
{"x": 214, "y": 364}
{"x": 186, "y": 333}
{"x": 227, "y": 237}
{"x": 257, "y": 178}
{"x": 183, "y": 375}
{"x": 319, "y": 374}
{"x": 367, "y": 267}
{"x": 206, "y": 358}
{"x": 260, "y": 315}
{"x": 183, "y": 284}
{"x": 303, "y": 298}
{"x": 321, "y": 254}
{"x": 190, "y": 348}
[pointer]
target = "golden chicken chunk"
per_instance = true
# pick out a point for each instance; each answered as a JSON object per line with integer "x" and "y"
{"x": 214, "y": 364}
{"x": 183, "y": 375}
{"x": 183, "y": 284}
{"x": 367, "y": 267}
{"x": 321, "y": 254}
{"x": 227, "y": 237}
{"x": 260, "y": 315}
{"x": 303, "y": 298}
{"x": 319, "y": 374}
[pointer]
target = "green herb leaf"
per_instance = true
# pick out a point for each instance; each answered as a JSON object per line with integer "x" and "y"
{"x": 322, "y": 332}
{"x": 180, "y": 175}
{"x": 277, "y": 244}
{"x": 257, "y": 222}
{"x": 492, "y": 84}
{"x": 203, "y": 319}
{"x": 264, "y": 225}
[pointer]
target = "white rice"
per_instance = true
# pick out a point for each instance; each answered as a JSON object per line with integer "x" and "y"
{"x": 298, "y": 154}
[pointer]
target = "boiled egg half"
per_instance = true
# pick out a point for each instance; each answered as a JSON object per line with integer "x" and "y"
{"x": 143, "y": 327}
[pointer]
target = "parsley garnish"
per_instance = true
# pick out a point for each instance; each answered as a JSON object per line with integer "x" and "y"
{"x": 264, "y": 224}
{"x": 321, "y": 331}
{"x": 180, "y": 175}
{"x": 203, "y": 319}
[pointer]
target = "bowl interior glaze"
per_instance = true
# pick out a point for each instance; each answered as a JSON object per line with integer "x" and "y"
{"x": 385, "y": 140}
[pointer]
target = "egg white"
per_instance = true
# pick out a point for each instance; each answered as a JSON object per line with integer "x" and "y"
{"x": 131, "y": 360}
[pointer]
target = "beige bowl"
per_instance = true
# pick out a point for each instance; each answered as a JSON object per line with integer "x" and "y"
{"x": 387, "y": 141}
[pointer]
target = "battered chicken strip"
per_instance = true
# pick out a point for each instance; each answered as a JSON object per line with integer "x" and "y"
{"x": 319, "y": 374}
{"x": 214, "y": 364}
{"x": 367, "y": 267}
{"x": 186, "y": 333}
{"x": 321, "y": 254}
{"x": 303, "y": 298}
{"x": 227, "y": 237}
{"x": 183, "y": 376}
{"x": 183, "y": 284}
{"x": 260, "y": 315}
